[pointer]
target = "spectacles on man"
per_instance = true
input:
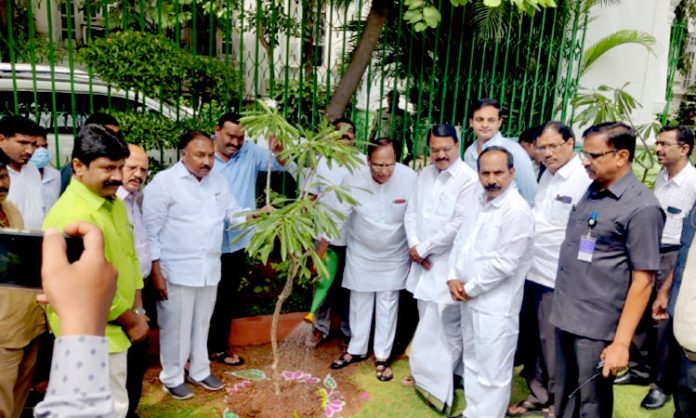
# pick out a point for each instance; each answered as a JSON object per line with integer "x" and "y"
{"x": 550, "y": 147}
{"x": 595, "y": 155}
{"x": 666, "y": 144}
{"x": 382, "y": 166}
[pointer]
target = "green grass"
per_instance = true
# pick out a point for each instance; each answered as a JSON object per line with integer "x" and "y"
{"x": 392, "y": 400}
{"x": 386, "y": 400}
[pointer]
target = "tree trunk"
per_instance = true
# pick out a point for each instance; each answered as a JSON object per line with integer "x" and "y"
{"x": 361, "y": 58}
{"x": 284, "y": 294}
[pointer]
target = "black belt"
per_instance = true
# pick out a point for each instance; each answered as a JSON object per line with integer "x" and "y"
{"x": 669, "y": 248}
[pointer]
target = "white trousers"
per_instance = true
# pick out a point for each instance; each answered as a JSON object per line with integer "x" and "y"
{"x": 184, "y": 320}
{"x": 489, "y": 352}
{"x": 118, "y": 372}
{"x": 385, "y": 306}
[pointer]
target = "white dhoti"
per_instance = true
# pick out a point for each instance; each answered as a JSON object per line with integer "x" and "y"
{"x": 436, "y": 352}
{"x": 384, "y": 305}
{"x": 489, "y": 353}
{"x": 184, "y": 320}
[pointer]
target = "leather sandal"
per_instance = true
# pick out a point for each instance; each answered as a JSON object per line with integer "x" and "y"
{"x": 346, "y": 359}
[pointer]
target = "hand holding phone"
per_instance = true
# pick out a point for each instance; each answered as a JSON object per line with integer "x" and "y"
{"x": 80, "y": 292}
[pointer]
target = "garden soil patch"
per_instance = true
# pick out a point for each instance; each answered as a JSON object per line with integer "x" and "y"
{"x": 302, "y": 389}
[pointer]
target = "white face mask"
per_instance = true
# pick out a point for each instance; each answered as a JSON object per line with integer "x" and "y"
{"x": 40, "y": 157}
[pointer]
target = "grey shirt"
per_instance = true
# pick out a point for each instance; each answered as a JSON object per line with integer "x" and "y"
{"x": 589, "y": 297}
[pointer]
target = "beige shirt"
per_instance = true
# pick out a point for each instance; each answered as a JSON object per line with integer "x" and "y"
{"x": 21, "y": 318}
{"x": 685, "y": 307}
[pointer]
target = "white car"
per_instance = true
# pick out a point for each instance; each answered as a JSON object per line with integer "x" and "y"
{"x": 35, "y": 89}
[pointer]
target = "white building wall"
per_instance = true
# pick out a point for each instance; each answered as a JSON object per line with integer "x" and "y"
{"x": 645, "y": 72}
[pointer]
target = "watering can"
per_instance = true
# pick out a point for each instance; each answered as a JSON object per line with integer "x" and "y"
{"x": 323, "y": 283}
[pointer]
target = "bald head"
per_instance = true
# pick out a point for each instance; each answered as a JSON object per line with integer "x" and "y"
{"x": 135, "y": 169}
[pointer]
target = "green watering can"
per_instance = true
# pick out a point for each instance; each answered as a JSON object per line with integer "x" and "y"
{"x": 323, "y": 284}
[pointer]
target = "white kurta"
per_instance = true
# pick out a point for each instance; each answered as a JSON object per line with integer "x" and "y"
{"x": 556, "y": 196}
{"x": 432, "y": 219}
{"x": 491, "y": 255}
{"x": 27, "y": 195}
{"x": 377, "y": 251}
{"x": 327, "y": 176}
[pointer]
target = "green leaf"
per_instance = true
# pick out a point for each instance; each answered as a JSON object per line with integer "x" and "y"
{"x": 492, "y": 3}
{"x": 420, "y": 27}
{"x": 431, "y": 16}
{"x": 613, "y": 40}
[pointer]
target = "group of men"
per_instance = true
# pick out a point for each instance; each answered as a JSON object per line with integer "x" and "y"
{"x": 173, "y": 232}
{"x": 562, "y": 270}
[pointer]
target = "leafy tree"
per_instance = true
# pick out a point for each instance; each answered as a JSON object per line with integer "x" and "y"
{"x": 289, "y": 231}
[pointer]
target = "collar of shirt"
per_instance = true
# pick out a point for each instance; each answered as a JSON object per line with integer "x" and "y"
{"x": 498, "y": 201}
{"x": 616, "y": 189}
{"x": 568, "y": 168}
{"x": 495, "y": 140}
{"x": 89, "y": 196}
{"x": 681, "y": 176}
{"x": 182, "y": 172}
{"x": 238, "y": 155}
{"x": 452, "y": 170}
{"x": 125, "y": 194}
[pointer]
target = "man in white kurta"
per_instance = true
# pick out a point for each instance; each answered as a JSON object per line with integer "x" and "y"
{"x": 184, "y": 210}
{"x": 491, "y": 256}
{"x": 433, "y": 216}
{"x": 377, "y": 261}
{"x": 562, "y": 185}
{"x": 327, "y": 176}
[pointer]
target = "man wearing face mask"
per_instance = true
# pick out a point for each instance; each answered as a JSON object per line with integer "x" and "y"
{"x": 18, "y": 138}
{"x": 50, "y": 177}
{"x": 490, "y": 258}
{"x": 97, "y": 161}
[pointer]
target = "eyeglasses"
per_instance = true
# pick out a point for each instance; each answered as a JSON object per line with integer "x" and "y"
{"x": 550, "y": 147}
{"x": 382, "y": 166}
{"x": 664, "y": 144}
{"x": 595, "y": 155}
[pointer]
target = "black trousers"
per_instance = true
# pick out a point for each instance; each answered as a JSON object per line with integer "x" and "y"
{"x": 576, "y": 363}
{"x": 652, "y": 348}
{"x": 685, "y": 392}
{"x": 538, "y": 337}
{"x": 136, "y": 367}
{"x": 233, "y": 267}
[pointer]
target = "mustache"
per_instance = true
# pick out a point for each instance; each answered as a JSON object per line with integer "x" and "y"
{"x": 112, "y": 183}
{"x": 4, "y": 190}
{"x": 206, "y": 167}
{"x": 491, "y": 187}
{"x": 442, "y": 159}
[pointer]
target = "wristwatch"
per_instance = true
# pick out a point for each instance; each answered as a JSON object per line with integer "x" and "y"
{"x": 139, "y": 310}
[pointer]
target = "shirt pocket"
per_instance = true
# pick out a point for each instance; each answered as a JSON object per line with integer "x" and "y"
{"x": 444, "y": 207}
{"x": 560, "y": 211}
{"x": 398, "y": 209}
{"x": 488, "y": 239}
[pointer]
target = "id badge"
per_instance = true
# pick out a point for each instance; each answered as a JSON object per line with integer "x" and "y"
{"x": 587, "y": 246}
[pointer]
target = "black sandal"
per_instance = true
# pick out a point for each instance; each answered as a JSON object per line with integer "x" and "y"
{"x": 346, "y": 359}
{"x": 381, "y": 368}
{"x": 228, "y": 359}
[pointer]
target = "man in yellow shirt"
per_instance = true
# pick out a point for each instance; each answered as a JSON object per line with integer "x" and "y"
{"x": 97, "y": 160}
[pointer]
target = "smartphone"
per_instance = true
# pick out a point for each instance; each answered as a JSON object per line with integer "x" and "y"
{"x": 20, "y": 257}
